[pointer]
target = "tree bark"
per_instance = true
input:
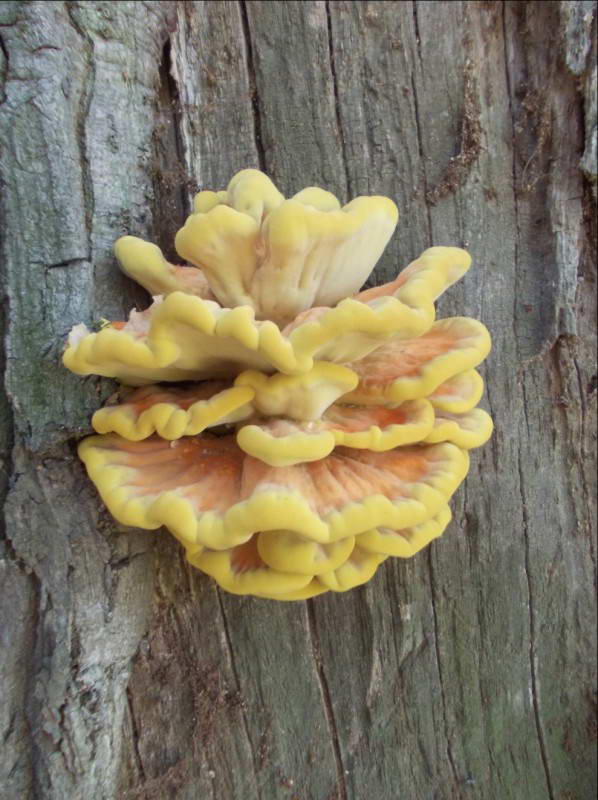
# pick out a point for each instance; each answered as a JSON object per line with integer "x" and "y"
{"x": 466, "y": 672}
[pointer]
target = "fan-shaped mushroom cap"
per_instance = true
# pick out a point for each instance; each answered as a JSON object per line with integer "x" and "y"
{"x": 317, "y": 198}
{"x": 182, "y": 338}
{"x": 408, "y": 541}
{"x": 208, "y": 492}
{"x": 271, "y": 562}
{"x": 407, "y": 369}
{"x": 173, "y": 413}
{"x": 469, "y": 430}
{"x": 287, "y": 550}
{"x": 358, "y": 569}
{"x": 187, "y": 338}
{"x": 300, "y": 397}
{"x": 284, "y": 256}
{"x": 282, "y": 442}
{"x": 253, "y": 193}
{"x": 458, "y": 394}
{"x": 437, "y": 268}
{"x": 144, "y": 263}
{"x": 279, "y": 441}
{"x": 207, "y": 200}
{"x": 241, "y": 570}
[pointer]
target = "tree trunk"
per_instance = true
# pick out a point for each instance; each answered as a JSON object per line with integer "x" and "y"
{"x": 466, "y": 672}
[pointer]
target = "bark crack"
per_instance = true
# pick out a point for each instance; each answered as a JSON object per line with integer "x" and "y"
{"x": 238, "y": 688}
{"x": 337, "y": 104}
{"x": 327, "y": 700}
{"x": 68, "y": 262}
{"x": 417, "y": 123}
{"x": 135, "y": 737}
{"x": 470, "y": 146}
{"x": 513, "y": 175}
{"x": 4, "y": 66}
{"x": 171, "y": 183}
{"x": 7, "y": 408}
{"x": 449, "y": 751}
{"x": 171, "y": 89}
{"x": 81, "y": 120}
{"x": 584, "y": 456}
{"x": 31, "y": 681}
{"x": 255, "y": 99}
{"x": 532, "y": 623}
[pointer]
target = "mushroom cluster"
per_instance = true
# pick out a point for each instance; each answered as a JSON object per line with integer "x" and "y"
{"x": 291, "y": 431}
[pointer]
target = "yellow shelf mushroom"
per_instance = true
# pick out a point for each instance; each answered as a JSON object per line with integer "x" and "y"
{"x": 185, "y": 337}
{"x": 208, "y": 492}
{"x": 173, "y": 413}
{"x": 340, "y": 420}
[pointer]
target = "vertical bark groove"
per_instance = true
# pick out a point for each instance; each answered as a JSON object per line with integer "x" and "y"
{"x": 532, "y": 638}
{"x": 337, "y": 103}
{"x": 514, "y": 178}
{"x": 255, "y": 98}
{"x": 418, "y": 118}
{"x": 82, "y": 116}
{"x": 326, "y": 700}
{"x": 447, "y": 733}
{"x": 231, "y": 656}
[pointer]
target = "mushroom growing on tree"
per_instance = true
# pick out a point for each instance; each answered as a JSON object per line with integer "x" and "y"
{"x": 341, "y": 419}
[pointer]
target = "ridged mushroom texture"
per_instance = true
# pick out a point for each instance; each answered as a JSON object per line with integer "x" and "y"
{"x": 290, "y": 430}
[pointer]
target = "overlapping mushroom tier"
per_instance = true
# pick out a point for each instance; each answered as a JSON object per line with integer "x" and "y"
{"x": 185, "y": 337}
{"x": 217, "y": 500}
{"x": 291, "y": 436}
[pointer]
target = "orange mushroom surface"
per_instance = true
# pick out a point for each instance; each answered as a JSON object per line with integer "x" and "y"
{"x": 209, "y": 492}
{"x": 340, "y": 419}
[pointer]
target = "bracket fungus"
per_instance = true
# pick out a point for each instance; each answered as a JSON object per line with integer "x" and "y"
{"x": 292, "y": 431}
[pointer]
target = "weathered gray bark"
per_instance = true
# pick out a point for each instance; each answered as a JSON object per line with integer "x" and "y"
{"x": 465, "y": 672}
